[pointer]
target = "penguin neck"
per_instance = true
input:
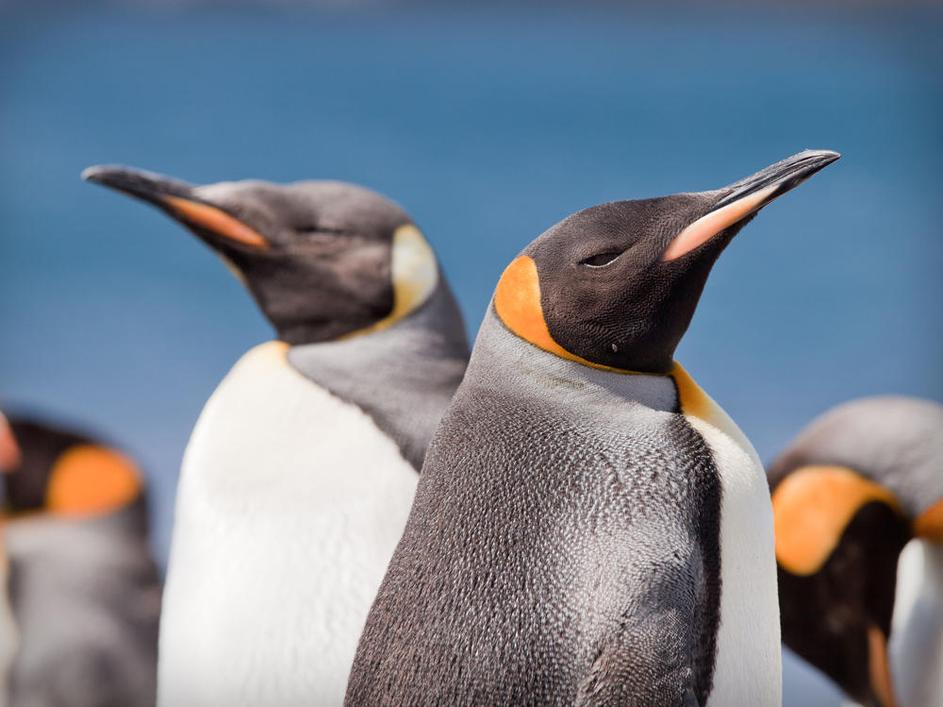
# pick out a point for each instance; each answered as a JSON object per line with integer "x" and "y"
{"x": 402, "y": 376}
{"x": 501, "y": 356}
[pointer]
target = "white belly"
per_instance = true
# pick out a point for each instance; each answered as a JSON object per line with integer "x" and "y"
{"x": 290, "y": 505}
{"x": 916, "y": 645}
{"x": 748, "y": 667}
{"x": 8, "y": 630}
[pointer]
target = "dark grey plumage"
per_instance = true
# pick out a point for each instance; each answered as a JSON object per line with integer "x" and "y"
{"x": 415, "y": 366}
{"x": 581, "y": 556}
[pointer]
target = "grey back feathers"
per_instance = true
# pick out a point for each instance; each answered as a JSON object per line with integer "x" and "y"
{"x": 562, "y": 548}
{"x": 895, "y": 441}
{"x": 402, "y": 376}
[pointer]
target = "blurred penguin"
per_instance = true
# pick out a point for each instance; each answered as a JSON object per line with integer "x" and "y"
{"x": 83, "y": 585}
{"x": 858, "y": 504}
{"x": 299, "y": 475}
{"x": 9, "y": 460}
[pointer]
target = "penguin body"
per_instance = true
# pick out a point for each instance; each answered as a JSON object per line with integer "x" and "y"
{"x": 916, "y": 642}
{"x": 84, "y": 586}
{"x": 9, "y": 636}
{"x": 589, "y": 527}
{"x": 607, "y": 443}
{"x": 334, "y": 513}
{"x": 858, "y": 497}
{"x": 10, "y": 456}
{"x": 300, "y": 472}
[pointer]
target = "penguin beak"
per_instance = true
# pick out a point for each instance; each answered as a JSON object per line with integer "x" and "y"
{"x": 879, "y": 668}
{"x": 744, "y": 198}
{"x": 179, "y": 200}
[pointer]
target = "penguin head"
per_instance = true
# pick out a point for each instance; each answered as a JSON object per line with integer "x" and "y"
{"x": 323, "y": 259}
{"x": 851, "y": 490}
{"x": 615, "y": 286}
{"x": 62, "y": 473}
{"x": 838, "y": 539}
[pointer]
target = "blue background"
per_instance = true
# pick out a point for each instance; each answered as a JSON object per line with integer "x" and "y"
{"x": 488, "y": 125}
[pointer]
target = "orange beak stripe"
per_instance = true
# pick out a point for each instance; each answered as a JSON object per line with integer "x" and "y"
{"x": 217, "y": 221}
{"x": 879, "y": 668}
{"x": 709, "y": 225}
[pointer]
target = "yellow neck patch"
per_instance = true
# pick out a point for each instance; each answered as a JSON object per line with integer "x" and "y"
{"x": 415, "y": 274}
{"x": 217, "y": 221}
{"x": 90, "y": 480}
{"x": 518, "y": 306}
{"x": 929, "y": 524}
{"x": 812, "y": 507}
{"x": 693, "y": 400}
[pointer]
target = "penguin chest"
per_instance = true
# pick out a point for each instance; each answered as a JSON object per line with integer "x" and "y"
{"x": 290, "y": 505}
{"x": 8, "y": 630}
{"x": 916, "y": 643}
{"x": 748, "y": 661}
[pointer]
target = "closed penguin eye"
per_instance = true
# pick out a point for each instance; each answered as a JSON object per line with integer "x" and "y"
{"x": 601, "y": 260}
{"x": 315, "y": 229}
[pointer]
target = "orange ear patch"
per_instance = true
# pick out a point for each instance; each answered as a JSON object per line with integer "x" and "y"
{"x": 91, "y": 480}
{"x": 217, "y": 221}
{"x": 812, "y": 507}
{"x": 929, "y": 524}
{"x": 517, "y": 302}
{"x": 709, "y": 225}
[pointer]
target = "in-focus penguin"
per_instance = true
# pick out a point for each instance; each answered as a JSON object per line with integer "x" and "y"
{"x": 858, "y": 504}
{"x": 84, "y": 586}
{"x": 301, "y": 470}
{"x": 589, "y": 527}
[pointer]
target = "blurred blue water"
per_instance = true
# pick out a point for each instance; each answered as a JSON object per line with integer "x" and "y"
{"x": 488, "y": 125}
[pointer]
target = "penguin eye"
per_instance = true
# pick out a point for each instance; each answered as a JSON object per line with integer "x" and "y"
{"x": 601, "y": 260}
{"x": 315, "y": 229}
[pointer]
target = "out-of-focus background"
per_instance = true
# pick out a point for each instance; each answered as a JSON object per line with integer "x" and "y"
{"x": 488, "y": 123}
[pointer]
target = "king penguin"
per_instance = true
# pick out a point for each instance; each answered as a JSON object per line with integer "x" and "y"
{"x": 9, "y": 459}
{"x": 298, "y": 478}
{"x": 589, "y": 527}
{"x": 84, "y": 587}
{"x": 858, "y": 504}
